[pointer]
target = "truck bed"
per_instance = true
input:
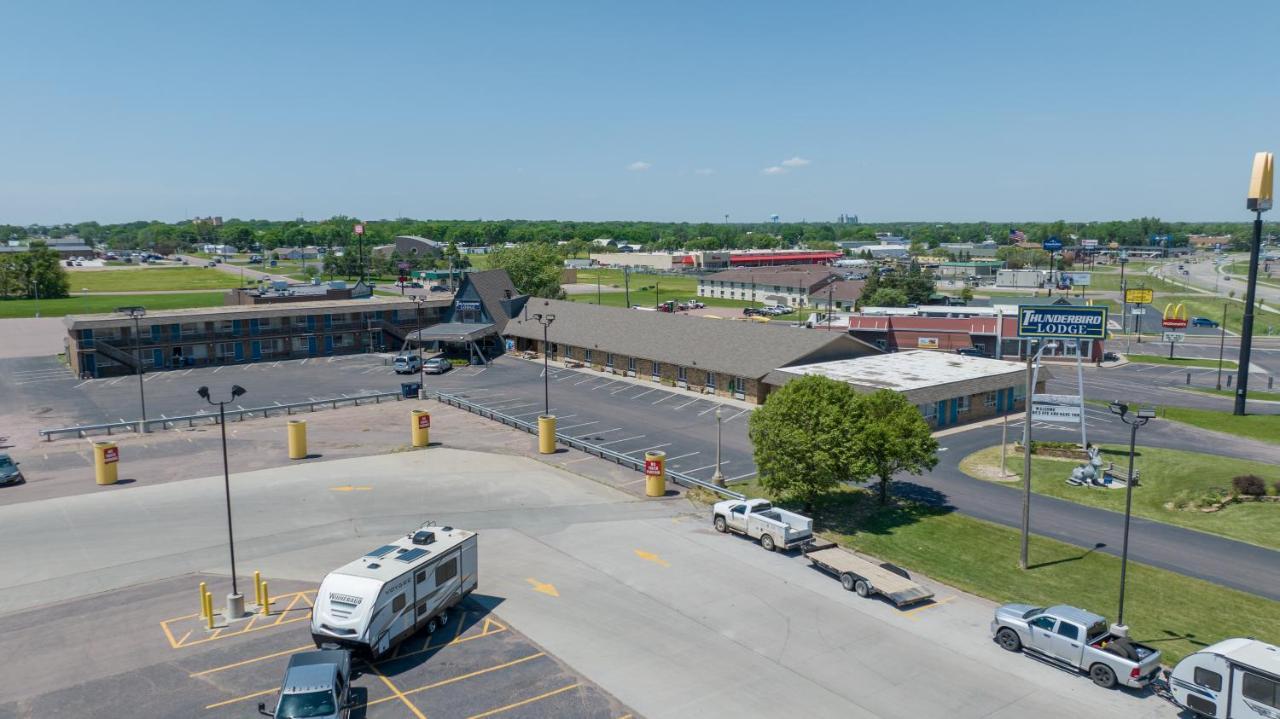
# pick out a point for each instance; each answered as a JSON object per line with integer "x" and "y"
{"x": 836, "y": 560}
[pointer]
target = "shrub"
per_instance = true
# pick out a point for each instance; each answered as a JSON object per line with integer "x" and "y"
{"x": 1249, "y": 484}
{"x": 1278, "y": 486}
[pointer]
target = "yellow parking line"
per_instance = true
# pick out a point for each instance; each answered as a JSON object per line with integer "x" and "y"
{"x": 445, "y": 682}
{"x": 484, "y": 633}
{"x": 399, "y": 694}
{"x": 184, "y": 637}
{"x": 910, "y": 613}
{"x": 530, "y": 700}
{"x": 254, "y": 695}
{"x": 251, "y": 661}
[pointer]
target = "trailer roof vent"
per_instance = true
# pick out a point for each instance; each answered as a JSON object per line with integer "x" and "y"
{"x": 424, "y": 537}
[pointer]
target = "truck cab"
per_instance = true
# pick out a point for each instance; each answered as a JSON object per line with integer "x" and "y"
{"x": 758, "y": 519}
{"x": 316, "y": 685}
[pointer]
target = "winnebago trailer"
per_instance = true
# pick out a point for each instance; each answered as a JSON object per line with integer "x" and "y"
{"x": 1233, "y": 679}
{"x": 380, "y": 599}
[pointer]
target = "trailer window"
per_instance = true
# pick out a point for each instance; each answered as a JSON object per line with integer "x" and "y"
{"x": 1261, "y": 689}
{"x": 397, "y": 604}
{"x": 1208, "y": 679}
{"x": 421, "y": 576}
{"x": 446, "y": 571}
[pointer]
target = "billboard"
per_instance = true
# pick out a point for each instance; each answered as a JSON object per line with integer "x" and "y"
{"x": 927, "y": 343}
{"x": 1056, "y": 408}
{"x": 1078, "y": 279}
{"x": 1062, "y": 321}
{"x": 1140, "y": 296}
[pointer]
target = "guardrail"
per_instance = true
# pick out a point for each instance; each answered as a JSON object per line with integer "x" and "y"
{"x": 592, "y": 449}
{"x": 136, "y": 425}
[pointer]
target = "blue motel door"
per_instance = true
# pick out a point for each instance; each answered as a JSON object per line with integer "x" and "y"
{"x": 311, "y": 346}
{"x": 239, "y": 351}
{"x": 255, "y": 350}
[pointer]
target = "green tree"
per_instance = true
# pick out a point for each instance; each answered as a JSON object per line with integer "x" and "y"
{"x": 966, "y": 294}
{"x": 801, "y": 438}
{"x": 886, "y": 297}
{"x": 38, "y": 272}
{"x": 534, "y": 268}
{"x": 890, "y": 436}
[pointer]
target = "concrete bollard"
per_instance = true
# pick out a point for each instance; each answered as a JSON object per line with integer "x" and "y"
{"x": 546, "y": 434}
{"x": 297, "y": 439}
{"x": 420, "y": 427}
{"x": 106, "y": 460}
{"x": 265, "y": 604}
{"x": 655, "y": 472}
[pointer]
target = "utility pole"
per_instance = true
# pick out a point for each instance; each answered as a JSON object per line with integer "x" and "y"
{"x": 1246, "y": 324}
{"x": 136, "y": 314}
{"x": 626, "y": 281}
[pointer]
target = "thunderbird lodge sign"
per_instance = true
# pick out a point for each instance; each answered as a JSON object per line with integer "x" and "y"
{"x": 1062, "y": 322}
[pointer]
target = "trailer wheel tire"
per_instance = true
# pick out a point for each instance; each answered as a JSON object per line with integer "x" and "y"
{"x": 862, "y": 588}
{"x": 1008, "y": 640}
{"x": 1102, "y": 675}
{"x": 721, "y": 527}
{"x": 846, "y": 581}
{"x": 766, "y": 541}
{"x": 432, "y": 625}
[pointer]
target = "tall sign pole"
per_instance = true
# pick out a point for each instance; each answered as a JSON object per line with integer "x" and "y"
{"x": 1259, "y": 200}
{"x": 359, "y": 232}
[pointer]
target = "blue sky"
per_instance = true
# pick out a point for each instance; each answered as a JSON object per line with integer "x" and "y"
{"x": 1002, "y": 111}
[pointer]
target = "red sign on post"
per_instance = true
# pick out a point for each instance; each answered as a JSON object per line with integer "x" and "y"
{"x": 424, "y": 421}
{"x": 359, "y": 229}
{"x": 111, "y": 455}
{"x": 653, "y": 467}
{"x": 1173, "y": 323}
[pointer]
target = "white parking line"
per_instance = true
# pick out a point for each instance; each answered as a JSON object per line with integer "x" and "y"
{"x": 184, "y": 374}
{"x": 712, "y": 408}
{"x": 150, "y": 377}
{"x": 737, "y": 415}
{"x": 585, "y": 379}
{"x": 672, "y": 459}
{"x": 686, "y": 404}
{"x": 741, "y": 476}
{"x": 527, "y": 414}
{"x": 616, "y": 441}
{"x": 580, "y": 424}
{"x": 603, "y": 431}
{"x": 699, "y": 469}
{"x": 665, "y": 397}
{"x": 606, "y": 384}
{"x": 116, "y": 380}
{"x": 219, "y": 369}
{"x": 638, "y": 396}
{"x": 88, "y": 381}
{"x": 648, "y": 449}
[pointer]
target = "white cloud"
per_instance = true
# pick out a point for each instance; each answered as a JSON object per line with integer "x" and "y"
{"x": 704, "y": 171}
{"x": 774, "y": 170}
{"x": 639, "y": 166}
{"x": 795, "y": 162}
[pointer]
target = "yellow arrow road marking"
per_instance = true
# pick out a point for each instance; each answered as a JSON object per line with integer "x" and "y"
{"x": 651, "y": 557}
{"x": 349, "y": 488}
{"x": 544, "y": 587}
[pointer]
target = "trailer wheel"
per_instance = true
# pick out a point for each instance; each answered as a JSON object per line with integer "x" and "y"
{"x": 1008, "y": 640}
{"x": 766, "y": 541}
{"x": 720, "y": 524}
{"x": 846, "y": 581}
{"x": 1102, "y": 675}
{"x": 862, "y": 588}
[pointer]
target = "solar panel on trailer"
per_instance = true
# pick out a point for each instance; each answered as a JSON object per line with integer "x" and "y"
{"x": 411, "y": 555}
{"x": 382, "y": 551}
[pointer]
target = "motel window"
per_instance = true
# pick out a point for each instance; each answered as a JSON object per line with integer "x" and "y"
{"x": 682, "y": 373}
{"x": 631, "y": 365}
{"x": 989, "y": 399}
{"x": 711, "y": 380}
{"x": 656, "y": 372}
{"x": 1019, "y": 393}
{"x": 963, "y": 404}
{"x": 929, "y": 410}
{"x": 608, "y": 360}
{"x": 738, "y": 385}
{"x": 226, "y": 349}
{"x": 586, "y": 356}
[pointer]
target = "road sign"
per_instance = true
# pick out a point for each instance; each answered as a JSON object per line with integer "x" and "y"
{"x": 1062, "y": 321}
{"x": 1173, "y": 337}
{"x": 1053, "y": 244}
{"x": 359, "y": 229}
{"x": 1078, "y": 279}
{"x": 1138, "y": 311}
{"x": 1056, "y": 408}
{"x": 1175, "y": 316}
{"x": 110, "y": 455}
{"x": 1088, "y": 243}
{"x": 1139, "y": 296}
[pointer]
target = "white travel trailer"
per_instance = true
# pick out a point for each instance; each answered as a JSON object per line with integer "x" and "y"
{"x": 380, "y": 599}
{"x": 1233, "y": 679}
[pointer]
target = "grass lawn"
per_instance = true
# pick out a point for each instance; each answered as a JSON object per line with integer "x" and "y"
{"x": 152, "y": 279}
{"x": 1181, "y": 361}
{"x": 93, "y": 304}
{"x": 1211, "y": 307}
{"x": 1167, "y": 475}
{"x": 1110, "y": 282}
{"x": 1267, "y": 396}
{"x": 1175, "y": 613}
{"x": 1262, "y": 427}
{"x": 611, "y": 279}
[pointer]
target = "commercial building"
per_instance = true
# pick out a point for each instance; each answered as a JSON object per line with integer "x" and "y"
{"x": 791, "y": 287}
{"x": 105, "y": 345}
{"x": 979, "y": 269}
{"x": 66, "y": 247}
{"x": 659, "y": 261}
{"x": 948, "y": 389}
{"x": 970, "y": 250}
{"x": 316, "y": 291}
{"x": 414, "y": 246}
{"x": 723, "y": 357}
{"x": 838, "y": 296}
{"x": 473, "y": 323}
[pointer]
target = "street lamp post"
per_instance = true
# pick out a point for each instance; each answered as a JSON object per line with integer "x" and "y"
{"x": 1123, "y": 259}
{"x": 1033, "y": 368}
{"x": 136, "y": 314}
{"x": 1140, "y": 418}
{"x": 718, "y": 477}
{"x": 545, "y": 321}
{"x": 422, "y": 370}
{"x": 235, "y": 600}
{"x": 1222, "y": 342}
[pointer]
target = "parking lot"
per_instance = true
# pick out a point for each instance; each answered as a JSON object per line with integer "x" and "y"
{"x": 160, "y": 660}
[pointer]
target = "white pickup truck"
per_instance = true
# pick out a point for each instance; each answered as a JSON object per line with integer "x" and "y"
{"x": 756, "y": 518}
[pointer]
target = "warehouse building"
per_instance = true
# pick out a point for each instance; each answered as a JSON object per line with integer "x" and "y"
{"x": 723, "y": 357}
{"x": 788, "y": 286}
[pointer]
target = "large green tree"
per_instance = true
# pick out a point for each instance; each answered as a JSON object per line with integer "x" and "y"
{"x": 802, "y": 438}
{"x": 890, "y": 436}
{"x": 38, "y": 272}
{"x": 534, "y": 268}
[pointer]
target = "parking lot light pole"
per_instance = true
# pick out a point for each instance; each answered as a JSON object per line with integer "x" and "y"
{"x": 1140, "y": 418}
{"x": 1033, "y": 366}
{"x": 718, "y": 477}
{"x": 1259, "y": 201}
{"x": 545, "y": 321}
{"x": 422, "y": 371}
{"x": 1222, "y": 342}
{"x": 136, "y": 314}
{"x": 235, "y": 600}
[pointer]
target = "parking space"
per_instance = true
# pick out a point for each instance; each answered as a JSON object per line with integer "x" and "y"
{"x": 475, "y": 666}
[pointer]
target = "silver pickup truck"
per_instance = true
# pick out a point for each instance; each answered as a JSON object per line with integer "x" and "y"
{"x": 1078, "y": 639}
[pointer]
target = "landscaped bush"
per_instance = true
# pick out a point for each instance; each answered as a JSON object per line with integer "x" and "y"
{"x": 1037, "y": 445}
{"x": 1249, "y": 484}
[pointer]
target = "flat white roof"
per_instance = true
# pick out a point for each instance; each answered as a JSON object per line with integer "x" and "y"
{"x": 914, "y": 369}
{"x": 384, "y": 562}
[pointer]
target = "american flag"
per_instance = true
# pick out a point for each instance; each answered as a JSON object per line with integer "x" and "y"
{"x": 1016, "y": 235}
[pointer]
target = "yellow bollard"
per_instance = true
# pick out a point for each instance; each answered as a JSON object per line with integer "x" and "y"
{"x": 546, "y": 434}
{"x": 297, "y": 439}
{"x": 655, "y": 472}
{"x": 257, "y": 587}
{"x": 106, "y": 460}
{"x": 266, "y": 601}
{"x": 208, "y": 609}
{"x": 420, "y": 426}
{"x": 203, "y": 591}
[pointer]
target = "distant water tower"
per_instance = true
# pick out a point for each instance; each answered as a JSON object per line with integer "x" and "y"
{"x": 774, "y": 218}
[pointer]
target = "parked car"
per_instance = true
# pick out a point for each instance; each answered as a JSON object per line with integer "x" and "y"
{"x": 407, "y": 364}
{"x": 972, "y": 352}
{"x": 439, "y": 288}
{"x": 437, "y": 365}
{"x": 757, "y": 519}
{"x": 1077, "y": 639}
{"x": 9, "y": 472}
{"x": 752, "y": 312}
{"x": 316, "y": 684}
{"x": 776, "y": 310}
{"x": 1203, "y": 322}
{"x": 1110, "y": 357}
{"x": 211, "y": 263}
{"x": 695, "y": 305}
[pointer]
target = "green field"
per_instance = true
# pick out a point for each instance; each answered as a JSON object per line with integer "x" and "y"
{"x": 1175, "y": 613}
{"x": 1262, "y": 427}
{"x": 94, "y": 304}
{"x": 1110, "y": 282}
{"x": 1264, "y": 396}
{"x": 152, "y": 279}
{"x": 1211, "y": 307}
{"x": 1181, "y": 361}
{"x": 611, "y": 278}
{"x": 646, "y": 299}
{"x": 1167, "y": 476}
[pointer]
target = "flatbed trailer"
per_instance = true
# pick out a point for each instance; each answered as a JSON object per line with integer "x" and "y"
{"x": 864, "y": 576}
